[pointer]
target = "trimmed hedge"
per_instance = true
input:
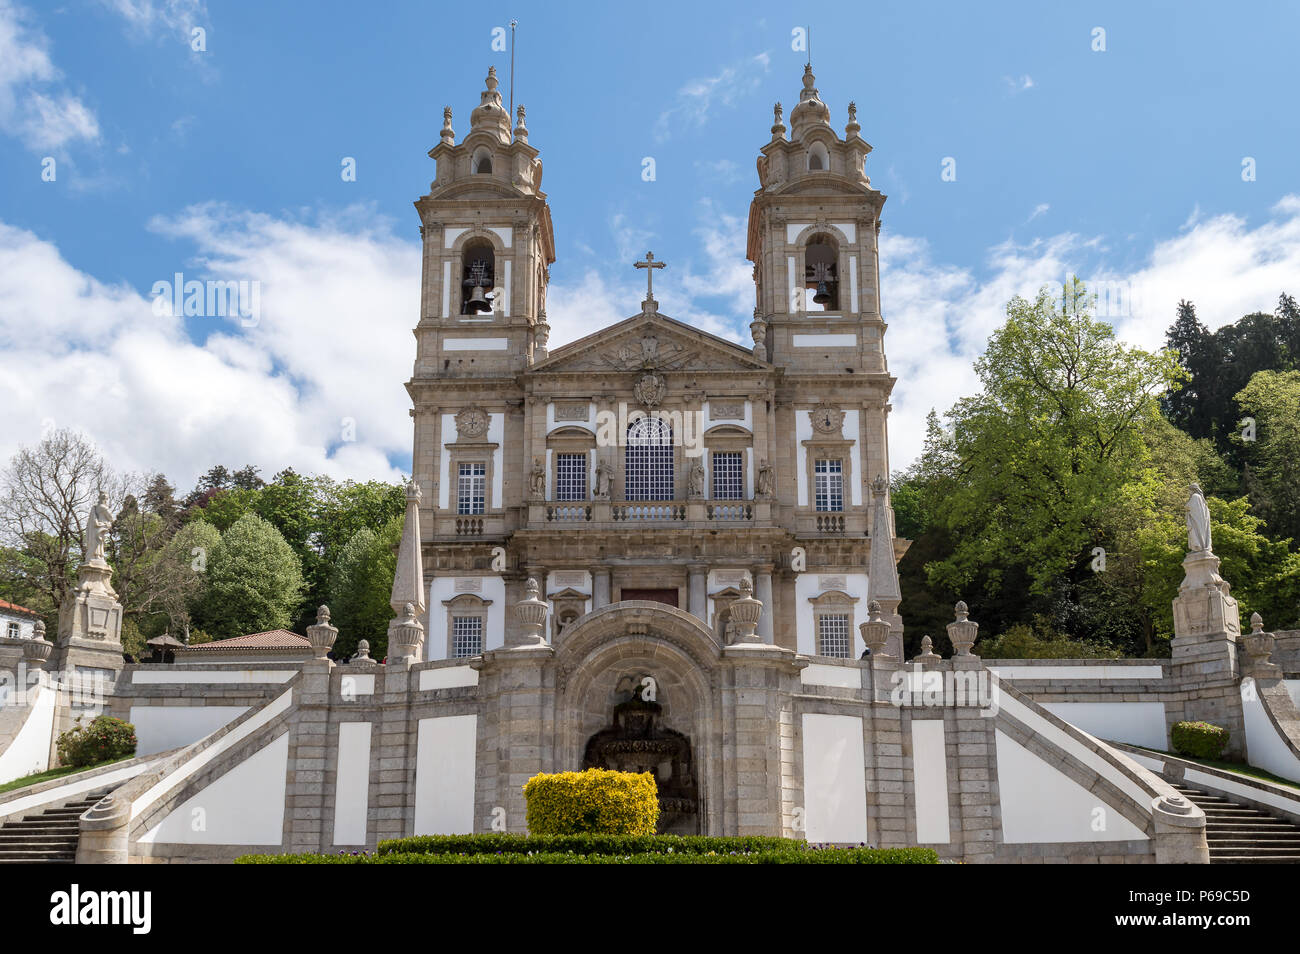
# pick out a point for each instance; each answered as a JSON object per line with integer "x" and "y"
{"x": 1199, "y": 740}
{"x": 595, "y": 801}
{"x": 105, "y": 739}
{"x": 810, "y": 856}
{"x": 597, "y": 844}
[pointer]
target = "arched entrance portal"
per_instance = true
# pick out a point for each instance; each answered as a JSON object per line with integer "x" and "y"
{"x": 636, "y": 680}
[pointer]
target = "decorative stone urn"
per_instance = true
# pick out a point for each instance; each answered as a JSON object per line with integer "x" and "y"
{"x": 405, "y": 636}
{"x": 962, "y": 633}
{"x": 37, "y": 649}
{"x": 745, "y": 612}
{"x": 531, "y": 610}
{"x": 875, "y": 631}
{"x": 1259, "y": 647}
{"x": 322, "y": 635}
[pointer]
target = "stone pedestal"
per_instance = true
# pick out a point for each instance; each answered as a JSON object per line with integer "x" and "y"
{"x": 520, "y": 732}
{"x": 1207, "y": 625}
{"x": 90, "y": 622}
{"x": 759, "y": 778}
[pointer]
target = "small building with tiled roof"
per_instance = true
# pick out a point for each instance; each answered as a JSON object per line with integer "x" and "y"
{"x": 271, "y": 646}
{"x": 16, "y": 622}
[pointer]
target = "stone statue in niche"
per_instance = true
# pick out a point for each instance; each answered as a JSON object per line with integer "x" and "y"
{"x": 537, "y": 479}
{"x": 696, "y": 479}
{"x": 766, "y": 478}
{"x": 604, "y": 477}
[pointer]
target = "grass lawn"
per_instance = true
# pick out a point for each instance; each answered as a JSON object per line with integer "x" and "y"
{"x": 39, "y": 777}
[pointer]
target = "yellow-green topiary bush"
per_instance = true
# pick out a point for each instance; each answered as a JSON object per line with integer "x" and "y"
{"x": 594, "y": 801}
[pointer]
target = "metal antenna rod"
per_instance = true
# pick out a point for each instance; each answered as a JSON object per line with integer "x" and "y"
{"x": 513, "y": 24}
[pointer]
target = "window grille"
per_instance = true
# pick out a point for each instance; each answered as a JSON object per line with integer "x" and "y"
{"x": 828, "y": 478}
{"x": 472, "y": 489}
{"x": 570, "y": 476}
{"x": 833, "y": 635}
{"x": 648, "y": 461}
{"x": 466, "y": 636}
{"x": 728, "y": 475}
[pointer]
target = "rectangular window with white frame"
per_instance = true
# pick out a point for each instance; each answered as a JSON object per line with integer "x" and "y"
{"x": 571, "y": 476}
{"x": 471, "y": 489}
{"x": 828, "y": 485}
{"x": 466, "y": 636}
{"x": 728, "y": 475}
{"x": 14, "y": 630}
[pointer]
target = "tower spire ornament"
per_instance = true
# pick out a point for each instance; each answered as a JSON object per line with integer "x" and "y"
{"x": 649, "y": 264}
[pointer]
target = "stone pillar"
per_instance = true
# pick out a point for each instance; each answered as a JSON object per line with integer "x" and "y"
{"x": 698, "y": 595}
{"x": 757, "y": 682}
{"x": 406, "y": 632}
{"x": 763, "y": 593}
{"x": 600, "y": 587}
{"x": 522, "y": 681}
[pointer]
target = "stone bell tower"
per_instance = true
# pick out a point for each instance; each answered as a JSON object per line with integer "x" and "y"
{"x": 488, "y": 245}
{"x": 814, "y": 224}
{"x": 813, "y": 227}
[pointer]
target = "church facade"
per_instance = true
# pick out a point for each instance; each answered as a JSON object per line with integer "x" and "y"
{"x": 652, "y": 549}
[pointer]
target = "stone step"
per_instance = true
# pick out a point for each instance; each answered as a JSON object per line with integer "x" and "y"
{"x": 1215, "y": 837}
{"x": 38, "y": 854}
{"x": 1253, "y": 859}
{"x": 38, "y": 861}
{"x": 63, "y": 846}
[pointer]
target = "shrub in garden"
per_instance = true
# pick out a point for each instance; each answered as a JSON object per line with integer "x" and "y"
{"x": 104, "y": 739}
{"x": 594, "y": 801}
{"x": 1199, "y": 740}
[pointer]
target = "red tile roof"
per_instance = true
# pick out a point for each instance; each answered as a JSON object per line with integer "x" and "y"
{"x": 270, "y": 640}
{"x": 5, "y": 605}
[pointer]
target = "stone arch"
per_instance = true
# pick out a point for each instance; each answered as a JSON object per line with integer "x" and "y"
{"x": 637, "y": 637}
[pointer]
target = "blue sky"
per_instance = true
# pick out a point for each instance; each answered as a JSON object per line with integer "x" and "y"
{"x": 1122, "y": 165}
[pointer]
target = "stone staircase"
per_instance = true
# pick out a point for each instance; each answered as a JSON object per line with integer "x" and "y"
{"x": 47, "y": 837}
{"x": 1239, "y": 834}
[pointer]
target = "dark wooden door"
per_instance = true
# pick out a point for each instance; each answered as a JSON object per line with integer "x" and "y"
{"x": 668, "y": 596}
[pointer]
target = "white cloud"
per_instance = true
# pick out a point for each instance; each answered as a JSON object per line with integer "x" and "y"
{"x": 699, "y": 97}
{"x": 1018, "y": 84}
{"x": 340, "y": 294}
{"x": 337, "y": 306}
{"x": 34, "y": 107}
{"x": 1039, "y": 209}
{"x": 152, "y": 18}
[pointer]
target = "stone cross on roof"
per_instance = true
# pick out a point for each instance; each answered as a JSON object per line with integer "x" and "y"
{"x": 649, "y": 264}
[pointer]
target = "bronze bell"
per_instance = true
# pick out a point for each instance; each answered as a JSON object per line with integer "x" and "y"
{"x": 823, "y": 296}
{"x": 478, "y": 300}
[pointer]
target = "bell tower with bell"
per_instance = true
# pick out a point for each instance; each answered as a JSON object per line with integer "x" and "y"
{"x": 813, "y": 226}
{"x": 488, "y": 246}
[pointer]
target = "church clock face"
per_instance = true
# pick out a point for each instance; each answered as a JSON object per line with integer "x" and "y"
{"x": 827, "y": 419}
{"x": 472, "y": 422}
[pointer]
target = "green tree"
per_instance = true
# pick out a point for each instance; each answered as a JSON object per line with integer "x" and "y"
{"x": 254, "y": 581}
{"x": 1272, "y": 400}
{"x": 1022, "y": 476}
{"x": 360, "y": 588}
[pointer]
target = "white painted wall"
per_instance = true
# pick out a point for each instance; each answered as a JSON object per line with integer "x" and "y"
{"x": 588, "y": 425}
{"x": 243, "y": 807}
{"x": 804, "y": 431}
{"x": 447, "y": 677}
{"x": 444, "y": 588}
{"x": 842, "y": 676}
{"x": 1040, "y": 804}
{"x": 834, "y": 778}
{"x": 1293, "y": 689}
{"x": 930, "y": 782}
{"x": 26, "y": 624}
{"x": 1137, "y": 723}
{"x": 352, "y": 784}
{"x": 29, "y": 751}
{"x": 1265, "y": 747}
{"x": 1100, "y": 671}
{"x": 444, "y": 775}
{"x": 175, "y": 674}
{"x": 808, "y": 586}
{"x": 159, "y": 728}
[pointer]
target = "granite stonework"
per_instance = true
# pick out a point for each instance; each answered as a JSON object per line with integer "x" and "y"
{"x": 651, "y": 519}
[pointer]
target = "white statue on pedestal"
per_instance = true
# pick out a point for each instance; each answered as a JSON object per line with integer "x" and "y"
{"x": 1198, "y": 522}
{"x": 97, "y": 527}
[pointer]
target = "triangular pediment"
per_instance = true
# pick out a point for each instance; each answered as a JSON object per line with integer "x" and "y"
{"x": 650, "y": 342}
